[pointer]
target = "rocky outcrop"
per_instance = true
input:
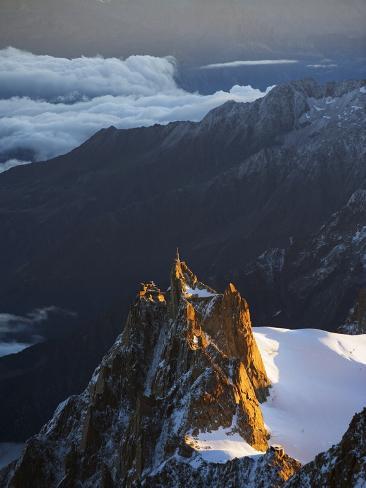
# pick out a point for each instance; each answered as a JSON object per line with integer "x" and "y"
{"x": 343, "y": 466}
{"x": 186, "y": 364}
{"x": 356, "y": 320}
{"x": 270, "y": 470}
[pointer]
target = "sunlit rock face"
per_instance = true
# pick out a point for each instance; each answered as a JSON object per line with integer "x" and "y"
{"x": 344, "y": 465}
{"x": 186, "y": 366}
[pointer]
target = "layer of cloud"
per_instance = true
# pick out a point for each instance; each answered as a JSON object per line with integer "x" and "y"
{"x": 10, "y": 163}
{"x": 259, "y": 62}
{"x": 61, "y": 79}
{"x": 18, "y": 332}
{"x": 322, "y": 66}
{"x": 50, "y": 105}
{"x": 7, "y": 348}
{"x": 10, "y": 323}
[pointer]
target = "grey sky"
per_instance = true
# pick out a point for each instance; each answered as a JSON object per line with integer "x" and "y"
{"x": 195, "y": 31}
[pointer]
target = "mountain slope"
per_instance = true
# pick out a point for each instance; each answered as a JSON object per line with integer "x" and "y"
{"x": 246, "y": 178}
{"x": 185, "y": 366}
{"x": 318, "y": 383}
{"x": 79, "y": 230}
{"x": 189, "y": 396}
{"x": 317, "y": 280}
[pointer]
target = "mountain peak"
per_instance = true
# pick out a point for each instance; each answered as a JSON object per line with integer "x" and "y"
{"x": 185, "y": 368}
{"x": 184, "y": 284}
{"x": 232, "y": 288}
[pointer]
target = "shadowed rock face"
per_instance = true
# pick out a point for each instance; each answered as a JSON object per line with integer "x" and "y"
{"x": 325, "y": 274}
{"x": 342, "y": 466}
{"x": 186, "y": 362}
{"x": 356, "y": 320}
{"x": 268, "y": 471}
{"x": 245, "y": 179}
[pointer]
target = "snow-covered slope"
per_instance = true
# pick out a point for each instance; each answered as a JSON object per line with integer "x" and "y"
{"x": 222, "y": 445}
{"x": 319, "y": 383}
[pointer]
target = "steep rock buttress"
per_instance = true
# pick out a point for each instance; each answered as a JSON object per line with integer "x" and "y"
{"x": 186, "y": 364}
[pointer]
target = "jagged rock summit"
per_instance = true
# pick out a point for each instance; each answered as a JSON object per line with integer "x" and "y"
{"x": 184, "y": 376}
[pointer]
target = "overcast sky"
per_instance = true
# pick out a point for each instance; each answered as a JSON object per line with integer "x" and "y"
{"x": 195, "y": 31}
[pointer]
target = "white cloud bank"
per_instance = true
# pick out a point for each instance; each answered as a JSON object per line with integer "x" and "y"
{"x": 51, "y": 105}
{"x": 322, "y": 66}
{"x": 17, "y": 332}
{"x": 259, "y": 62}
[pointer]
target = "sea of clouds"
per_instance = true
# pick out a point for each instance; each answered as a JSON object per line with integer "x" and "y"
{"x": 17, "y": 332}
{"x": 50, "y": 105}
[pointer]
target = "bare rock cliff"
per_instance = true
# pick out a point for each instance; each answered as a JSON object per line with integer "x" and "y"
{"x": 187, "y": 363}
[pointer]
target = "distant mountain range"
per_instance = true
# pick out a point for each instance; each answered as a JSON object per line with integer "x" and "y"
{"x": 269, "y": 194}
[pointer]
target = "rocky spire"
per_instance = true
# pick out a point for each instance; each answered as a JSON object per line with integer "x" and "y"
{"x": 186, "y": 365}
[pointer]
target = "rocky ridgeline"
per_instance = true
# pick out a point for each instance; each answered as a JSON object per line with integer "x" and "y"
{"x": 186, "y": 363}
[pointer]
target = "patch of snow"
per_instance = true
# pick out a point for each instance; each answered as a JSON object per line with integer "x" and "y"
{"x": 360, "y": 235}
{"x": 207, "y": 310}
{"x": 178, "y": 418}
{"x": 95, "y": 376}
{"x": 319, "y": 383}
{"x": 201, "y": 293}
{"x": 363, "y": 89}
{"x": 47, "y": 429}
{"x": 221, "y": 445}
{"x": 360, "y": 483}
